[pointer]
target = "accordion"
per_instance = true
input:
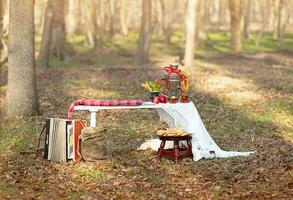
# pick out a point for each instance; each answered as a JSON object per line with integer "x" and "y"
{"x": 62, "y": 139}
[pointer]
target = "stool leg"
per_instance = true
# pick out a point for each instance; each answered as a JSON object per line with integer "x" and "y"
{"x": 160, "y": 150}
{"x": 176, "y": 151}
{"x": 189, "y": 147}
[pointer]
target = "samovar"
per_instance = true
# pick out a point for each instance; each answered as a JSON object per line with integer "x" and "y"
{"x": 172, "y": 79}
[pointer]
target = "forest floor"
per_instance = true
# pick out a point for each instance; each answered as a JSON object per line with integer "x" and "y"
{"x": 244, "y": 100}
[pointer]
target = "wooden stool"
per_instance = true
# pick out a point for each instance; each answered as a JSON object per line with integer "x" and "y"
{"x": 176, "y": 153}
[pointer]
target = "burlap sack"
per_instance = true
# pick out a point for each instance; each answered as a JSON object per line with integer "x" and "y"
{"x": 93, "y": 145}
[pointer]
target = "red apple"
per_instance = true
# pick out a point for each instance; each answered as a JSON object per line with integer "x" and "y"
{"x": 156, "y": 99}
{"x": 163, "y": 99}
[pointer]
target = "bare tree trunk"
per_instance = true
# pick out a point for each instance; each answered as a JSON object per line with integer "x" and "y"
{"x": 222, "y": 11}
{"x": 276, "y": 17}
{"x": 94, "y": 25}
{"x": 283, "y": 19}
{"x": 39, "y": 14}
{"x": 132, "y": 14}
{"x": 270, "y": 14}
{"x": 58, "y": 31}
{"x": 91, "y": 26}
{"x": 102, "y": 15}
{"x": 1, "y": 16}
{"x": 2, "y": 11}
{"x": 265, "y": 20}
{"x": 161, "y": 17}
{"x": 200, "y": 29}
{"x": 44, "y": 57}
{"x": 1, "y": 40}
{"x": 236, "y": 22}
{"x": 264, "y": 4}
{"x": 280, "y": 13}
{"x": 101, "y": 23}
{"x": 168, "y": 20}
{"x": 164, "y": 9}
{"x": 3, "y": 47}
{"x": 247, "y": 16}
{"x": 142, "y": 53}
{"x": 207, "y": 14}
{"x": 21, "y": 96}
{"x": 112, "y": 10}
{"x": 123, "y": 18}
{"x": 77, "y": 16}
{"x": 71, "y": 17}
{"x": 254, "y": 11}
{"x": 190, "y": 24}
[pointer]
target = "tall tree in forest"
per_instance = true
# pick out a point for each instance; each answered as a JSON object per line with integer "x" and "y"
{"x": 40, "y": 7}
{"x": 190, "y": 26}
{"x": 275, "y": 18}
{"x": 207, "y": 13}
{"x": 142, "y": 52}
{"x": 44, "y": 56}
{"x": 21, "y": 96}
{"x": 72, "y": 17}
{"x": 168, "y": 20}
{"x": 222, "y": 11}
{"x": 163, "y": 15}
{"x": 264, "y": 20}
{"x": 90, "y": 10}
{"x": 254, "y": 11}
{"x": 77, "y": 14}
{"x": 1, "y": 40}
{"x": 1, "y": 29}
{"x": 200, "y": 21}
{"x": 160, "y": 18}
{"x": 283, "y": 18}
{"x": 58, "y": 30}
{"x": 235, "y": 24}
{"x": 1, "y": 15}
{"x": 3, "y": 48}
{"x": 102, "y": 15}
{"x": 247, "y": 16}
{"x": 112, "y": 12}
{"x": 264, "y": 10}
{"x": 123, "y": 17}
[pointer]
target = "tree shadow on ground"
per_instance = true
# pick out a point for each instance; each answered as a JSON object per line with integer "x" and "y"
{"x": 232, "y": 130}
{"x": 267, "y": 70}
{"x": 256, "y": 176}
{"x": 266, "y": 174}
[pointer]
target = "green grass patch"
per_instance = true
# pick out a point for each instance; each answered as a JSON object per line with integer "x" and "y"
{"x": 92, "y": 174}
{"x": 219, "y": 42}
{"x": 57, "y": 63}
{"x": 154, "y": 179}
{"x": 78, "y": 44}
{"x": 8, "y": 190}
{"x": 100, "y": 62}
{"x": 3, "y": 66}
{"x": 76, "y": 195}
{"x": 128, "y": 43}
{"x": 21, "y": 137}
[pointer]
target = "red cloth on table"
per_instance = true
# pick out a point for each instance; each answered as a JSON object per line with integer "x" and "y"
{"x": 133, "y": 102}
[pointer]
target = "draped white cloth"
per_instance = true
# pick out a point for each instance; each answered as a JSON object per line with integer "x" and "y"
{"x": 186, "y": 116}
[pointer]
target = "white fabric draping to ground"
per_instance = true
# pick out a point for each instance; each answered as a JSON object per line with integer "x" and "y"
{"x": 186, "y": 116}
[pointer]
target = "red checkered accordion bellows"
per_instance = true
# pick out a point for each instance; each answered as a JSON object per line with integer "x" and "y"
{"x": 132, "y": 102}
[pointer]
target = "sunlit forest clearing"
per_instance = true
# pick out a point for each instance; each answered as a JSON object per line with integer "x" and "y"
{"x": 244, "y": 98}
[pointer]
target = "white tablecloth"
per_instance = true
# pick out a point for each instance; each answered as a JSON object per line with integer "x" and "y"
{"x": 184, "y": 115}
